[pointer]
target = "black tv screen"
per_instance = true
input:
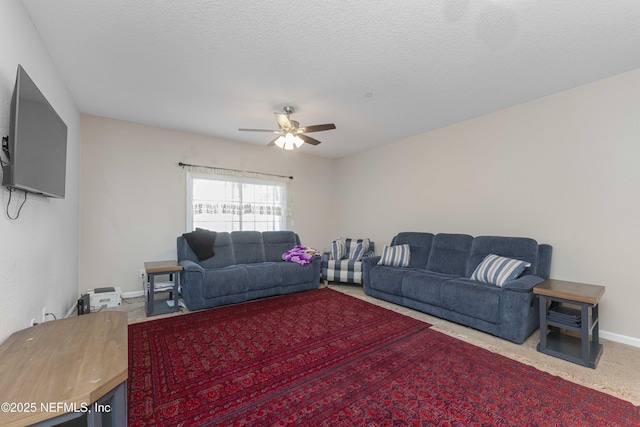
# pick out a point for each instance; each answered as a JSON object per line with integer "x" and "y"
{"x": 37, "y": 146}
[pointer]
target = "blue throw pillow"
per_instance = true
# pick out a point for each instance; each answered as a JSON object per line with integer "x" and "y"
{"x": 360, "y": 250}
{"x": 395, "y": 256}
{"x": 338, "y": 249}
{"x": 497, "y": 270}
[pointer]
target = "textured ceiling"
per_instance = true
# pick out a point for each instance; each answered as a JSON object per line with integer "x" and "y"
{"x": 380, "y": 70}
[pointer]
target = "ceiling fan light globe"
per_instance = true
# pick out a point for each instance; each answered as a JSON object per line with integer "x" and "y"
{"x": 298, "y": 141}
{"x": 289, "y": 141}
{"x": 280, "y": 142}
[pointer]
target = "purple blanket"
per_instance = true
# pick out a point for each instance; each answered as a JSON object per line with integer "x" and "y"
{"x": 302, "y": 255}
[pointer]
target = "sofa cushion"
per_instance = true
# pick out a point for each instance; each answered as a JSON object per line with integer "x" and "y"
{"x": 395, "y": 256}
{"x": 223, "y": 248}
{"x": 387, "y": 279}
{"x": 475, "y": 299}
{"x": 248, "y": 246}
{"x": 420, "y": 245}
{"x": 519, "y": 248}
{"x": 344, "y": 270}
{"x": 450, "y": 253}
{"x": 201, "y": 241}
{"x": 497, "y": 270}
{"x": 296, "y": 274}
{"x": 424, "y": 286}
{"x": 263, "y": 275}
{"x": 278, "y": 242}
{"x": 225, "y": 281}
{"x": 338, "y": 249}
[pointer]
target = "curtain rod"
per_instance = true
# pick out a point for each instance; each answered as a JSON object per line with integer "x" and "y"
{"x": 233, "y": 170}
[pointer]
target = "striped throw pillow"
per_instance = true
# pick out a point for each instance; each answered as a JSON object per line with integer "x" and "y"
{"x": 497, "y": 270}
{"x": 338, "y": 249}
{"x": 395, "y": 256}
{"x": 360, "y": 250}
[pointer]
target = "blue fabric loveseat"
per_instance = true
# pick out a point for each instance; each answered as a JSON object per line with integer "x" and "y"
{"x": 438, "y": 281}
{"x": 246, "y": 265}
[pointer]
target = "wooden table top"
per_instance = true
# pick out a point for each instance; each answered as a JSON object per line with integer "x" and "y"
{"x": 574, "y": 291}
{"x": 156, "y": 267}
{"x": 73, "y": 361}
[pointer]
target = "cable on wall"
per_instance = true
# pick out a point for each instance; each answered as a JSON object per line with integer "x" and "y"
{"x": 11, "y": 190}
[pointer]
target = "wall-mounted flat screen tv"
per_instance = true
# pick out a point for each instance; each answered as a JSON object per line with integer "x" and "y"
{"x": 37, "y": 145}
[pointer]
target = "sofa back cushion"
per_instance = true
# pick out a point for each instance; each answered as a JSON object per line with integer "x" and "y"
{"x": 248, "y": 246}
{"x": 278, "y": 242}
{"x": 450, "y": 253}
{"x": 520, "y": 248}
{"x": 419, "y": 244}
{"x": 222, "y": 248}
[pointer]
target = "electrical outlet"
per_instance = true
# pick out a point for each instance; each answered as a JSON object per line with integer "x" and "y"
{"x": 33, "y": 321}
{"x": 44, "y": 314}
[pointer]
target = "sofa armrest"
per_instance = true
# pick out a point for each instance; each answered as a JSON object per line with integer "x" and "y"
{"x": 368, "y": 263}
{"x": 523, "y": 283}
{"x": 371, "y": 260}
{"x": 188, "y": 265}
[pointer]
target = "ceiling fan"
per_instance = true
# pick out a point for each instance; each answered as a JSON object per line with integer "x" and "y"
{"x": 290, "y": 134}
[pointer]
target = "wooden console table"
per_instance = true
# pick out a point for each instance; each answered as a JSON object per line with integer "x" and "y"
{"x": 586, "y": 349}
{"x": 66, "y": 369}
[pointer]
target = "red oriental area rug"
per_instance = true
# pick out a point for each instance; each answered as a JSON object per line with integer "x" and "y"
{"x": 322, "y": 358}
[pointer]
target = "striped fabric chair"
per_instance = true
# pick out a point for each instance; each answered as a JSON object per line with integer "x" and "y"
{"x": 345, "y": 270}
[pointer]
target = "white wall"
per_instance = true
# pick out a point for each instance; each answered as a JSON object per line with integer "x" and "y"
{"x": 134, "y": 194}
{"x": 564, "y": 169}
{"x": 39, "y": 250}
{"x": 561, "y": 169}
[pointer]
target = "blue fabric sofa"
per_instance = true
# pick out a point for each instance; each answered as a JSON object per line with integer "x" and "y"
{"x": 438, "y": 281}
{"x": 246, "y": 265}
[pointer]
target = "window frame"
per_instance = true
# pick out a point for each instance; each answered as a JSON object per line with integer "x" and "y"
{"x": 287, "y": 219}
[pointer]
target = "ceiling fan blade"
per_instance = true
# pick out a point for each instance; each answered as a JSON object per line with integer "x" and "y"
{"x": 259, "y": 130}
{"x": 284, "y": 121}
{"x": 308, "y": 139}
{"x": 318, "y": 128}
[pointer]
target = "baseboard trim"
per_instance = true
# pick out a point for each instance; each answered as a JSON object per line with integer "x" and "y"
{"x": 635, "y": 342}
{"x": 133, "y": 294}
{"x": 71, "y": 310}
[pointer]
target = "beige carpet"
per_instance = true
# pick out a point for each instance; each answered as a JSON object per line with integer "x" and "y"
{"x": 617, "y": 373}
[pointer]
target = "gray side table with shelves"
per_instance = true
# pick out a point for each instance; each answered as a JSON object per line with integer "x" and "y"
{"x": 159, "y": 306}
{"x": 585, "y": 348}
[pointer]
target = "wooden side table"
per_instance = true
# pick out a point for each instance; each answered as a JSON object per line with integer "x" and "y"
{"x": 584, "y": 350}
{"x": 160, "y": 306}
{"x": 67, "y": 369}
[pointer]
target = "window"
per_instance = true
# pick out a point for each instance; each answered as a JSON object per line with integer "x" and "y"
{"x": 237, "y": 201}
